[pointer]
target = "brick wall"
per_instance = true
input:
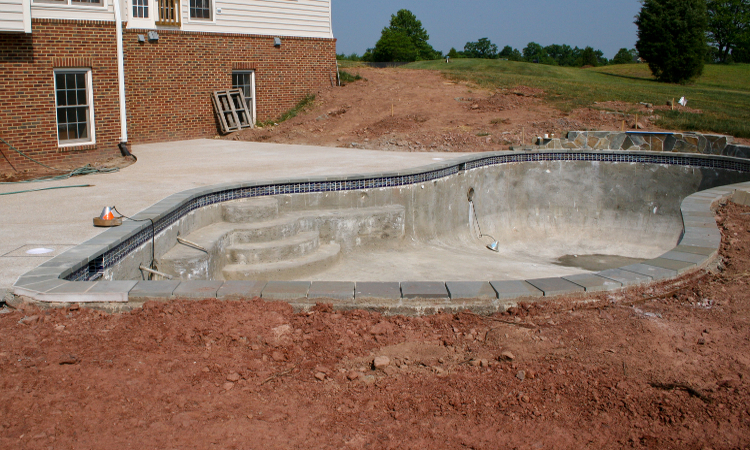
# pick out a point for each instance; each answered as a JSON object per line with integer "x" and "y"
{"x": 27, "y": 92}
{"x": 168, "y": 84}
{"x": 174, "y": 77}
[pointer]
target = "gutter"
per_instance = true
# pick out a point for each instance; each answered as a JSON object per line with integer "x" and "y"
{"x": 121, "y": 73}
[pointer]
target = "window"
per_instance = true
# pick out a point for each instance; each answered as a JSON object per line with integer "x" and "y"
{"x": 200, "y": 9}
{"x": 245, "y": 80}
{"x": 74, "y": 106}
{"x": 140, "y": 9}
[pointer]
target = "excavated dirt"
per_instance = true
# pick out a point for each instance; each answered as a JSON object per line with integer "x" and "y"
{"x": 420, "y": 110}
{"x": 665, "y": 367}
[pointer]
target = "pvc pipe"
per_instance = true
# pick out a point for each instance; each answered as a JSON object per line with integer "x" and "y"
{"x": 121, "y": 72}
{"x": 155, "y": 272}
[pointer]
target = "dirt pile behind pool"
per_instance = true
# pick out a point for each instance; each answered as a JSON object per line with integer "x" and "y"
{"x": 420, "y": 110}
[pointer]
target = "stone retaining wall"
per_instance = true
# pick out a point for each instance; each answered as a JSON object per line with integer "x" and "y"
{"x": 707, "y": 144}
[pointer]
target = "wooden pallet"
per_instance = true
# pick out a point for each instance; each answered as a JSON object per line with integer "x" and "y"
{"x": 231, "y": 110}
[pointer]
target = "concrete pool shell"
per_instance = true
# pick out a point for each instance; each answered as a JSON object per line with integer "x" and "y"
{"x": 557, "y": 201}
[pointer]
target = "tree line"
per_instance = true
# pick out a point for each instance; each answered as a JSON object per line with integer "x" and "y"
{"x": 675, "y": 37}
{"x": 555, "y": 54}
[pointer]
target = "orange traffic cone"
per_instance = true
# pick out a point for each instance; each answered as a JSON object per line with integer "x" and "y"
{"x": 107, "y": 219}
{"x": 107, "y": 214}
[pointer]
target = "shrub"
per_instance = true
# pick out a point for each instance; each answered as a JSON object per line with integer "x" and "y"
{"x": 672, "y": 38}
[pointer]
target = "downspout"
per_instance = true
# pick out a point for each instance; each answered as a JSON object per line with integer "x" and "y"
{"x": 121, "y": 76}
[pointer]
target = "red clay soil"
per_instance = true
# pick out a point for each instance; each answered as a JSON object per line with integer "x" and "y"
{"x": 420, "y": 110}
{"x": 666, "y": 366}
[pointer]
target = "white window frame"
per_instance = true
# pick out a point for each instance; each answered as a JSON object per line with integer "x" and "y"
{"x": 252, "y": 88}
{"x": 90, "y": 100}
{"x": 212, "y": 8}
{"x": 142, "y": 22}
{"x": 68, "y": 4}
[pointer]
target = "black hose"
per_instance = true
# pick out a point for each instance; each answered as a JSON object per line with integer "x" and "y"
{"x": 125, "y": 151}
{"x": 153, "y": 233}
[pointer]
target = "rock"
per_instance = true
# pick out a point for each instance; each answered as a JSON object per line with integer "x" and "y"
{"x": 382, "y": 328}
{"x": 320, "y": 376}
{"x": 352, "y": 375}
{"x": 278, "y": 356}
{"x": 701, "y": 341}
{"x": 324, "y": 369}
{"x": 390, "y": 371}
{"x": 484, "y": 363}
{"x": 234, "y": 377}
{"x": 228, "y": 386}
{"x": 381, "y": 362}
{"x": 68, "y": 360}
{"x": 29, "y": 320}
{"x": 506, "y": 356}
{"x": 521, "y": 375}
{"x": 475, "y": 362}
{"x": 475, "y": 106}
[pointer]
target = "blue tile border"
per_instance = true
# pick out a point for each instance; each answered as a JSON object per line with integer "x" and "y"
{"x": 114, "y": 245}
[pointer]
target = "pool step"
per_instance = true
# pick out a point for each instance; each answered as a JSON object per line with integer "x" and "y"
{"x": 250, "y": 210}
{"x": 306, "y": 265}
{"x": 279, "y": 228}
{"x": 280, "y": 245}
{"x": 263, "y": 252}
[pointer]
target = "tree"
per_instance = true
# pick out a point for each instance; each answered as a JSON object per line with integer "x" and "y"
{"x": 563, "y": 55}
{"x": 455, "y": 54}
{"x": 588, "y": 58}
{"x": 672, "y": 38}
{"x": 624, "y": 56}
{"x": 481, "y": 49}
{"x": 510, "y": 53}
{"x": 393, "y": 43}
{"x": 535, "y": 53}
{"x": 728, "y": 25}
{"x": 741, "y": 54}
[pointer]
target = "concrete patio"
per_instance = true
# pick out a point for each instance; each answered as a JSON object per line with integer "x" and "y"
{"x": 62, "y": 218}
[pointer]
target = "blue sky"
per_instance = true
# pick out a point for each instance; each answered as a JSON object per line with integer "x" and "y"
{"x": 606, "y": 25}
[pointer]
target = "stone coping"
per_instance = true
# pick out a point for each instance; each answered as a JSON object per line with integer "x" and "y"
{"x": 71, "y": 276}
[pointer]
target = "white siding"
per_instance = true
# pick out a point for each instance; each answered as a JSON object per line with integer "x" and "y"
{"x": 49, "y": 10}
{"x": 14, "y": 16}
{"x": 303, "y": 18}
{"x": 299, "y": 18}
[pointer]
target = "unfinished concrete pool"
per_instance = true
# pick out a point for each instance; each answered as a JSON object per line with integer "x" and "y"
{"x": 560, "y": 221}
{"x": 548, "y": 217}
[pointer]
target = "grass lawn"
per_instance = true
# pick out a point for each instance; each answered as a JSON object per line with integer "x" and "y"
{"x": 722, "y": 93}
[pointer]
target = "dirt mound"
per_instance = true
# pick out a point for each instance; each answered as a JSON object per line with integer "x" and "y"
{"x": 660, "y": 367}
{"x": 411, "y": 110}
{"x": 414, "y": 110}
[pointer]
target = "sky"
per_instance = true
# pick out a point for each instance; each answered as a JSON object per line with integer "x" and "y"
{"x": 606, "y": 25}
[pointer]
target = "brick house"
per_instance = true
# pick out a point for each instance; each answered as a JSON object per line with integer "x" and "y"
{"x": 81, "y": 76}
